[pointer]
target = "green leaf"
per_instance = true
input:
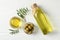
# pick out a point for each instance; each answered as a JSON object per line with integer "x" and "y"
{"x": 22, "y": 12}
{"x": 13, "y": 31}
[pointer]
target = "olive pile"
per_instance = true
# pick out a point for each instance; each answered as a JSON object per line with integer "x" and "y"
{"x": 29, "y": 27}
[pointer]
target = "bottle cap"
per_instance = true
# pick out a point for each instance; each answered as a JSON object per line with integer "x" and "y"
{"x": 34, "y": 5}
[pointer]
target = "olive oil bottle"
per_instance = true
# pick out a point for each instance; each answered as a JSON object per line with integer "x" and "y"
{"x": 41, "y": 19}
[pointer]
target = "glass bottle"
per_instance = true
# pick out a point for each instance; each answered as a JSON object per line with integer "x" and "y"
{"x": 41, "y": 19}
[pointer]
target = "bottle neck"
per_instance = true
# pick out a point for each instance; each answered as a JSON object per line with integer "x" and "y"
{"x": 35, "y": 10}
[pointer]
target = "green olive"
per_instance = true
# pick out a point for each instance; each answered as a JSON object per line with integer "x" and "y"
{"x": 29, "y": 27}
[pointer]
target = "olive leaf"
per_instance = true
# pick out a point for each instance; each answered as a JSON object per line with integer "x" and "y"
{"x": 14, "y": 31}
{"x": 22, "y": 12}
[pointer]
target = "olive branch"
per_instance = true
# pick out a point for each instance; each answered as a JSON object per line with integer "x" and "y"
{"x": 22, "y": 12}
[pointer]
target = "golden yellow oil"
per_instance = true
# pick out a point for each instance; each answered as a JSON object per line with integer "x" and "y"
{"x": 43, "y": 23}
{"x": 42, "y": 20}
{"x": 15, "y": 22}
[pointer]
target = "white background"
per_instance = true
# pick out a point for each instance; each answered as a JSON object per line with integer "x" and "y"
{"x": 8, "y": 9}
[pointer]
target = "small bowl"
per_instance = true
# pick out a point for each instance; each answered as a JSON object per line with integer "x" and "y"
{"x": 16, "y": 22}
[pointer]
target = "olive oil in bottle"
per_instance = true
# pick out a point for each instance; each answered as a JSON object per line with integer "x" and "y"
{"x": 41, "y": 19}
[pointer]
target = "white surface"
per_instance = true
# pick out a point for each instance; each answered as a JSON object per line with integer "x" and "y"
{"x": 8, "y": 9}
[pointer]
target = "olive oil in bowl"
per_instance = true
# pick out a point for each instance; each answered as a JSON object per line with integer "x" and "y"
{"x": 15, "y": 22}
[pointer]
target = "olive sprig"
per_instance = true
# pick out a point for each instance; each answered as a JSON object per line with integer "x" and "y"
{"x": 22, "y": 12}
{"x": 14, "y": 31}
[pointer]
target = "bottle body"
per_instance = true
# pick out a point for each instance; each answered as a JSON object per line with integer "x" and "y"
{"x": 42, "y": 20}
